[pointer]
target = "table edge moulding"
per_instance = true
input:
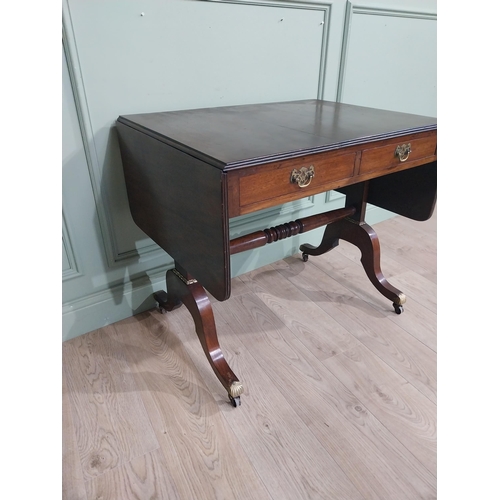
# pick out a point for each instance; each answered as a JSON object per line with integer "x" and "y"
{"x": 188, "y": 172}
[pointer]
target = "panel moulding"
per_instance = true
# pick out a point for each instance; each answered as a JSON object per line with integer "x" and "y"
{"x": 86, "y": 130}
{"x": 361, "y": 9}
{"x": 326, "y": 7}
{"x": 73, "y": 270}
{"x": 380, "y": 11}
{"x": 151, "y": 250}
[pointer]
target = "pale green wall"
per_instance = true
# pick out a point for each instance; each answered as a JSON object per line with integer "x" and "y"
{"x": 184, "y": 54}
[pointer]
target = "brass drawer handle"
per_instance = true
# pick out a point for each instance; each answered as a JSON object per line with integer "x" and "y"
{"x": 302, "y": 177}
{"x": 403, "y": 152}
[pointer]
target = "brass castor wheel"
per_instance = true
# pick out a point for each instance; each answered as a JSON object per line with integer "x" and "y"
{"x": 235, "y": 401}
{"x": 398, "y": 308}
{"x": 305, "y": 257}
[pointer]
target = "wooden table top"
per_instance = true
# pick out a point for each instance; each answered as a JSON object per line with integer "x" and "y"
{"x": 236, "y": 136}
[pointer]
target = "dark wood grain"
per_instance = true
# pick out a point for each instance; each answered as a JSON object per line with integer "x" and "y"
{"x": 262, "y": 186}
{"x": 273, "y": 180}
{"x": 235, "y": 136}
{"x": 354, "y": 230}
{"x": 365, "y": 238}
{"x": 194, "y": 297}
{"x": 261, "y": 238}
{"x": 383, "y": 157}
{"x": 411, "y": 193}
{"x": 179, "y": 202}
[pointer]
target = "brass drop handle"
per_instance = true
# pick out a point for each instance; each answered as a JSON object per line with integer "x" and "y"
{"x": 403, "y": 152}
{"x": 302, "y": 177}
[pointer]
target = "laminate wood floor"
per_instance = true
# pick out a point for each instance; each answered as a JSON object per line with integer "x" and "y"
{"x": 340, "y": 392}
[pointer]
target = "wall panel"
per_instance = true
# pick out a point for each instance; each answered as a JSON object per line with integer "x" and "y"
{"x": 397, "y": 70}
{"x": 174, "y": 55}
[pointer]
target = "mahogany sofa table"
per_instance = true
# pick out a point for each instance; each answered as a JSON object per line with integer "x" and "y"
{"x": 188, "y": 172}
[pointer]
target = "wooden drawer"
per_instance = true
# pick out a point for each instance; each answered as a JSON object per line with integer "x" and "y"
{"x": 384, "y": 157}
{"x": 268, "y": 185}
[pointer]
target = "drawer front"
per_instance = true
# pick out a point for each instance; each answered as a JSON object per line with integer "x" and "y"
{"x": 274, "y": 181}
{"x": 262, "y": 186}
{"x": 389, "y": 156}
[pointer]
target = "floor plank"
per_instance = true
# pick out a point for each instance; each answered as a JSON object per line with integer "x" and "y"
{"x": 73, "y": 485}
{"x": 205, "y": 459}
{"x": 287, "y": 456}
{"x": 381, "y": 331}
{"x": 372, "y": 458}
{"x": 340, "y": 392}
{"x": 111, "y": 423}
{"x": 318, "y": 331}
{"x": 406, "y": 413}
{"x": 143, "y": 477}
{"x": 421, "y": 294}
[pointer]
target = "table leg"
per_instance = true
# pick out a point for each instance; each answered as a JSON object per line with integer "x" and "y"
{"x": 329, "y": 242}
{"x": 190, "y": 293}
{"x": 365, "y": 238}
